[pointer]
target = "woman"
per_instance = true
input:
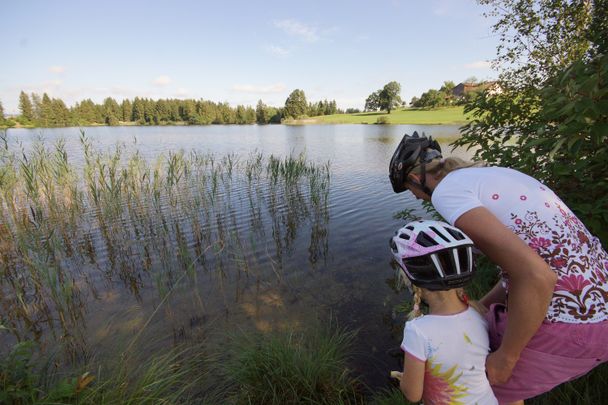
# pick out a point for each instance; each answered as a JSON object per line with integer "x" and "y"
{"x": 554, "y": 287}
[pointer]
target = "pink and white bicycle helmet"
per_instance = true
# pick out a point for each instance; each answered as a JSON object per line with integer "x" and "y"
{"x": 434, "y": 255}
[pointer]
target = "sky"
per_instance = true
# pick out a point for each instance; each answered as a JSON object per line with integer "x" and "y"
{"x": 239, "y": 51}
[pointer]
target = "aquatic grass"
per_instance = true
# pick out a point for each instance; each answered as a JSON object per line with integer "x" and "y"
{"x": 177, "y": 375}
{"x": 291, "y": 367}
{"x": 120, "y": 217}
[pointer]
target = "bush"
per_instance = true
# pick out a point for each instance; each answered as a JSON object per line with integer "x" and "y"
{"x": 558, "y": 134}
{"x": 383, "y": 120}
{"x": 289, "y": 368}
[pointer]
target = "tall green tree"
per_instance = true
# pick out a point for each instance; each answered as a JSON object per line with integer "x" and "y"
{"x": 126, "y": 109}
{"x": 26, "y": 108}
{"x": 539, "y": 38}
{"x": 46, "y": 111}
{"x": 551, "y": 118}
{"x": 390, "y": 97}
{"x": 295, "y": 105}
{"x": 59, "y": 114}
{"x": 111, "y": 111}
{"x": 372, "y": 103}
{"x": 36, "y": 108}
{"x": 261, "y": 113}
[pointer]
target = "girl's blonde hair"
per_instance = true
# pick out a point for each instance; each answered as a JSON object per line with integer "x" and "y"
{"x": 441, "y": 167}
{"x": 417, "y": 311}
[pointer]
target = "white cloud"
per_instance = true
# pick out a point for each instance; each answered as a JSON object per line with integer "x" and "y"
{"x": 298, "y": 29}
{"x": 248, "y": 88}
{"x": 162, "y": 80}
{"x": 276, "y": 50}
{"x": 56, "y": 69}
{"x": 480, "y": 64}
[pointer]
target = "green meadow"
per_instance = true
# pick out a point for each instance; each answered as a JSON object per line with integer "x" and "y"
{"x": 413, "y": 116}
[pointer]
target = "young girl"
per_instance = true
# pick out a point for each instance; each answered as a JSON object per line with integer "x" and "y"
{"x": 446, "y": 350}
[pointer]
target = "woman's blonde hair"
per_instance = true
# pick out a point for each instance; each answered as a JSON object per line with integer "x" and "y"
{"x": 441, "y": 167}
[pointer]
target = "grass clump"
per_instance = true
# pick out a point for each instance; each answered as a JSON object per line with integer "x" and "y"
{"x": 178, "y": 375}
{"x": 293, "y": 368}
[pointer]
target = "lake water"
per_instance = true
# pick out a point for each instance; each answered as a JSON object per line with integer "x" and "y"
{"x": 334, "y": 265}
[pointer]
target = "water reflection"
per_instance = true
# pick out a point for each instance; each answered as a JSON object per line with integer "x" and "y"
{"x": 184, "y": 219}
{"x": 194, "y": 229}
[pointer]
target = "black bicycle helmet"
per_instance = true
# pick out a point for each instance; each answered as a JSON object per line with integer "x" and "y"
{"x": 434, "y": 255}
{"x": 406, "y": 155}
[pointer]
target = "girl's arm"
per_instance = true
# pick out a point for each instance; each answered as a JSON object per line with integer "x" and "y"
{"x": 531, "y": 283}
{"x": 412, "y": 379}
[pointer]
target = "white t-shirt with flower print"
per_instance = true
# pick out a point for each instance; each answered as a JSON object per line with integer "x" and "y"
{"x": 533, "y": 212}
{"x": 454, "y": 349}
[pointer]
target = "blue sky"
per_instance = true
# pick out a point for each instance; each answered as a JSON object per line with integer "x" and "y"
{"x": 239, "y": 51}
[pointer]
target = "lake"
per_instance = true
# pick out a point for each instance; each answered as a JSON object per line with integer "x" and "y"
{"x": 273, "y": 258}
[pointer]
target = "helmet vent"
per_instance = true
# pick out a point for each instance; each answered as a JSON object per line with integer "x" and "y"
{"x": 425, "y": 240}
{"x": 457, "y": 235}
{"x": 440, "y": 234}
{"x": 404, "y": 236}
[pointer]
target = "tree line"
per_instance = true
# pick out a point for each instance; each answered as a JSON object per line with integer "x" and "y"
{"x": 45, "y": 111}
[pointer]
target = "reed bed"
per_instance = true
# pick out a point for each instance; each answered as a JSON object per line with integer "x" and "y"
{"x": 72, "y": 226}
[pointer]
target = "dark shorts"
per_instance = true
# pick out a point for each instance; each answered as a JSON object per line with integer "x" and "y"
{"x": 557, "y": 353}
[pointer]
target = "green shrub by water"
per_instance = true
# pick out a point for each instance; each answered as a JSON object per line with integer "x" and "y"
{"x": 293, "y": 368}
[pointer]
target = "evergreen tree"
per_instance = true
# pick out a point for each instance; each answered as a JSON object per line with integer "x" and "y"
{"x": 2, "y": 120}
{"x": 59, "y": 114}
{"x": 37, "y": 108}
{"x": 126, "y": 109}
{"x": 295, "y": 105}
{"x": 111, "y": 111}
{"x": 46, "y": 111}
{"x": 138, "y": 111}
{"x": 26, "y": 108}
{"x": 261, "y": 113}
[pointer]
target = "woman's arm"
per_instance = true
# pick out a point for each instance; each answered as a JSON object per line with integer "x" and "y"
{"x": 412, "y": 379}
{"x": 531, "y": 283}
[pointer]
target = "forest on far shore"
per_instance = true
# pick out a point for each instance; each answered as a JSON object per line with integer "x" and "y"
{"x": 37, "y": 111}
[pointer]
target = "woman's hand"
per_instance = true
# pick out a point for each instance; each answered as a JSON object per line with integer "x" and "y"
{"x": 499, "y": 367}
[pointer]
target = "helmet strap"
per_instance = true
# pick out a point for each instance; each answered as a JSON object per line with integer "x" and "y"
{"x": 423, "y": 185}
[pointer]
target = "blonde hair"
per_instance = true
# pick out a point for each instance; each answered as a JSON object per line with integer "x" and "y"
{"x": 441, "y": 167}
{"x": 416, "y": 312}
{"x": 462, "y": 296}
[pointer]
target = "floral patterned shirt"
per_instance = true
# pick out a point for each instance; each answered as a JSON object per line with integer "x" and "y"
{"x": 454, "y": 349}
{"x": 533, "y": 212}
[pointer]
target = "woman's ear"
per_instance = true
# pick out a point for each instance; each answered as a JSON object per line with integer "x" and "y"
{"x": 414, "y": 178}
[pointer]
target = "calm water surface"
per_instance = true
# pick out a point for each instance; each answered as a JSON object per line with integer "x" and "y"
{"x": 339, "y": 267}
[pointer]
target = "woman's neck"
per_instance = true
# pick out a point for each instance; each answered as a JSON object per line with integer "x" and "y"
{"x": 444, "y": 302}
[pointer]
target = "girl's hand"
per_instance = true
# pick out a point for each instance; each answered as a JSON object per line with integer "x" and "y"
{"x": 396, "y": 374}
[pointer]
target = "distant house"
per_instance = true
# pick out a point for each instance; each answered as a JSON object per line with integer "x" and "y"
{"x": 463, "y": 88}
